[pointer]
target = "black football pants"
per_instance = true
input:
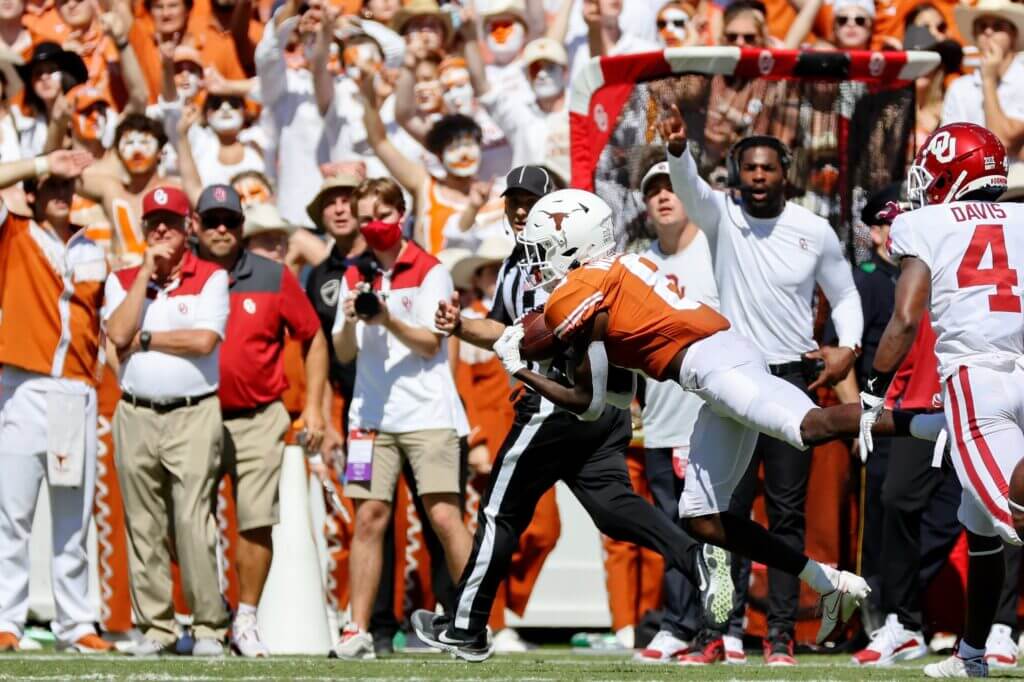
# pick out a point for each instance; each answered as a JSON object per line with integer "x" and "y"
{"x": 786, "y": 471}
{"x": 588, "y": 456}
{"x": 682, "y": 614}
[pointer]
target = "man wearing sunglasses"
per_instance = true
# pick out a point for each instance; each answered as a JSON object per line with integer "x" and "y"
{"x": 267, "y": 303}
{"x": 165, "y": 320}
{"x": 992, "y": 96}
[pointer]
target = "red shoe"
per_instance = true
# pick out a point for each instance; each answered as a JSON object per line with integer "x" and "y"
{"x": 708, "y": 649}
{"x": 8, "y": 642}
{"x": 779, "y": 652}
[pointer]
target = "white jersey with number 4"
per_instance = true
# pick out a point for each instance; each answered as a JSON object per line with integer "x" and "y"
{"x": 975, "y": 251}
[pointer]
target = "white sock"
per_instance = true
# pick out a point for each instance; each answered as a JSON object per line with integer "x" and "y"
{"x": 245, "y": 610}
{"x": 820, "y": 577}
{"x": 965, "y": 650}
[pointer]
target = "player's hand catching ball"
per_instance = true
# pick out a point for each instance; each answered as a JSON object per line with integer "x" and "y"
{"x": 507, "y": 349}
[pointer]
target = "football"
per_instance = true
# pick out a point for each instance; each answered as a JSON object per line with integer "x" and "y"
{"x": 539, "y": 342}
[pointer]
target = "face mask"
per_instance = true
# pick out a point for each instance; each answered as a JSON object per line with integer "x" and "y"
{"x": 380, "y": 235}
{"x": 226, "y": 119}
{"x": 459, "y": 100}
{"x": 138, "y": 151}
{"x": 505, "y": 40}
{"x": 429, "y": 96}
{"x": 188, "y": 84}
{"x": 462, "y": 160}
{"x": 549, "y": 82}
{"x": 673, "y": 34}
{"x": 90, "y": 126}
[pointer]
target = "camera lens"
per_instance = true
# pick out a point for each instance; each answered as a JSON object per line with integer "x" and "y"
{"x": 367, "y": 304}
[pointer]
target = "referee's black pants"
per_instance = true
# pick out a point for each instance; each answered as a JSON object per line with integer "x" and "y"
{"x": 786, "y": 471}
{"x": 588, "y": 456}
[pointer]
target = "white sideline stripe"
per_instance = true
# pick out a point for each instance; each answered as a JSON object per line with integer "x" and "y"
{"x": 483, "y": 557}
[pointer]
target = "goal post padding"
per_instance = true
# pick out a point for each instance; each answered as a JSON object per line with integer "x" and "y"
{"x": 848, "y": 116}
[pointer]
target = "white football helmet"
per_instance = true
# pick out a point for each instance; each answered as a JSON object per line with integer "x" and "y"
{"x": 565, "y": 227}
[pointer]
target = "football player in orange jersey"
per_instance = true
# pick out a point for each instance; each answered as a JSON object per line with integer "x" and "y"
{"x": 618, "y": 310}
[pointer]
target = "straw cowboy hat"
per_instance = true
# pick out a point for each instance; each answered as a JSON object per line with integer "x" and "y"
{"x": 1004, "y": 9}
{"x": 260, "y": 218}
{"x": 418, "y": 8}
{"x": 492, "y": 250}
{"x": 315, "y": 208}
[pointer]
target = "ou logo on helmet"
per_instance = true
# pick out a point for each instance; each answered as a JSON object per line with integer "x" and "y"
{"x": 942, "y": 146}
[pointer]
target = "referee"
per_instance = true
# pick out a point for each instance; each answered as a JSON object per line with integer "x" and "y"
{"x": 546, "y": 444}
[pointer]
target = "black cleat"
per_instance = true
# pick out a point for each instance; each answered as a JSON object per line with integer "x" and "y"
{"x": 433, "y": 630}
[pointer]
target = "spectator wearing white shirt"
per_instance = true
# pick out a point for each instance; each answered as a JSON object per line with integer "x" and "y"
{"x": 290, "y": 117}
{"x": 605, "y": 36}
{"x": 165, "y": 320}
{"x": 505, "y": 33}
{"x": 537, "y": 126}
{"x": 992, "y": 96}
{"x": 404, "y": 405}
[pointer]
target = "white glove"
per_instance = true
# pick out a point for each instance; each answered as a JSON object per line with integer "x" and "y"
{"x": 871, "y": 407}
{"x": 507, "y": 349}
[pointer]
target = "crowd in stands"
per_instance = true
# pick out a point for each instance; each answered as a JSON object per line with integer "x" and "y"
{"x": 320, "y": 149}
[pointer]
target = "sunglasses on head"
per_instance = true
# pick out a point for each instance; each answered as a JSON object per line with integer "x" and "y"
{"x": 843, "y": 20}
{"x": 674, "y": 23}
{"x": 211, "y": 221}
{"x": 215, "y": 101}
{"x": 731, "y": 37}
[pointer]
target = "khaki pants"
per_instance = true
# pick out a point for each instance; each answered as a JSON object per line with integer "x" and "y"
{"x": 253, "y": 450}
{"x": 167, "y": 465}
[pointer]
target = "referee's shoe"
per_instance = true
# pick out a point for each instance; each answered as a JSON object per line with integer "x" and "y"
{"x": 432, "y": 629}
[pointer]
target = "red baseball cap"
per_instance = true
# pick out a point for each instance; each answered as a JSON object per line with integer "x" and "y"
{"x": 170, "y": 199}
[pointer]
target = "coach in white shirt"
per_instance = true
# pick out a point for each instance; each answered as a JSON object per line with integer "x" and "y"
{"x": 769, "y": 254}
{"x": 165, "y": 320}
{"x": 682, "y": 255}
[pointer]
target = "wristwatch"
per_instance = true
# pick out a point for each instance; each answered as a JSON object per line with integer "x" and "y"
{"x": 144, "y": 339}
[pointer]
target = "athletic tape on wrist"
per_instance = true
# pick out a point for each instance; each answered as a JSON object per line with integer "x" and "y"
{"x": 42, "y": 166}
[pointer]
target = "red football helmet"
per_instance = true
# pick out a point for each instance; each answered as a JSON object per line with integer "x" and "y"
{"x": 956, "y": 159}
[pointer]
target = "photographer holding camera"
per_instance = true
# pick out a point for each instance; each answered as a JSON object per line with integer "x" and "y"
{"x": 404, "y": 404}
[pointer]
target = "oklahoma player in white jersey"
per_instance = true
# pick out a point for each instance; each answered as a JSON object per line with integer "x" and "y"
{"x": 965, "y": 253}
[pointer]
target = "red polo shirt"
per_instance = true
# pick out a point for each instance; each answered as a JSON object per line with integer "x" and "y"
{"x": 266, "y": 302}
{"x": 916, "y": 384}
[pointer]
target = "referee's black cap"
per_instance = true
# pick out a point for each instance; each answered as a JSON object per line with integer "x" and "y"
{"x": 533, "y": 179}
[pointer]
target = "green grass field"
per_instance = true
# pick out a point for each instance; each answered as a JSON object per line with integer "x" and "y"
{"x": 547, "y": 664}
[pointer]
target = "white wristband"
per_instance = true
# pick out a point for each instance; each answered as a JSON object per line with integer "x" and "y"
{"x": 42, "y": 166}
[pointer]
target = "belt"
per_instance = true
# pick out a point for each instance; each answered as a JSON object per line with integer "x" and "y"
{"x": 168, "y": 404}
{"x": 787, "y": 368}
{"x": 245, "y": 412}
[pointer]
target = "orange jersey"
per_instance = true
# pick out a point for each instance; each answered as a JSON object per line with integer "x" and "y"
{"x": 649, "y": 322}
{"x": 50, "y": 293}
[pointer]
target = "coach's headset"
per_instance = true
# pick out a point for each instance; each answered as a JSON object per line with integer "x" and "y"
{"x": 732, "y": 159}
